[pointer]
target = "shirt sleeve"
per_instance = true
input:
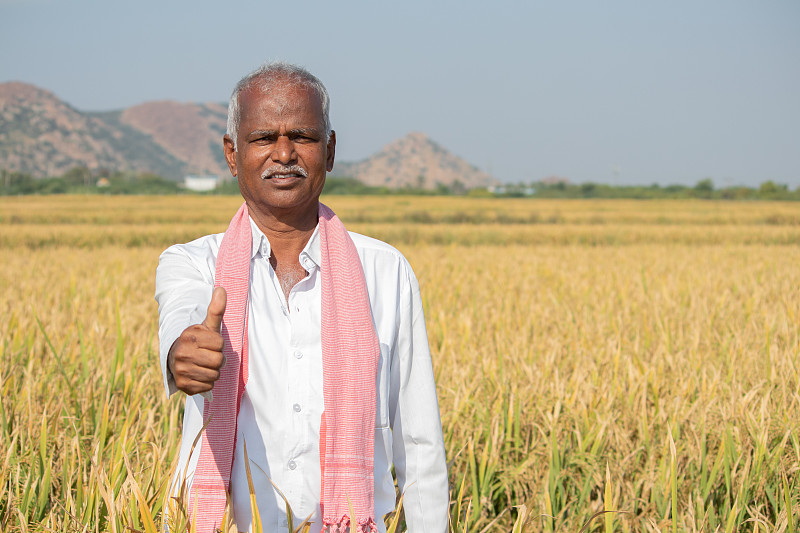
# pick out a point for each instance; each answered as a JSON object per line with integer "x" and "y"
{"x": 183, "y": 292}
{"x": 417, "y": 447}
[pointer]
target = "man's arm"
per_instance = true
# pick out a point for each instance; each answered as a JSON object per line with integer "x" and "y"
{"x": 190, "y": 349}
{"x": 418, "y": 447}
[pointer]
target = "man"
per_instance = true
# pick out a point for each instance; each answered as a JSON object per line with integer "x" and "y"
{"x": 311, "y": 352}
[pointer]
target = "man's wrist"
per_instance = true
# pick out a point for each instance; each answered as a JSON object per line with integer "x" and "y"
{"x": 169, "y": 376}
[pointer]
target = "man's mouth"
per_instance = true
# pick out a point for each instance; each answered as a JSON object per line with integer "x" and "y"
{"x": 281, "y": 172}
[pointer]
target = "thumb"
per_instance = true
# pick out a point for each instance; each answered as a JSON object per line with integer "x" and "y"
{"x": 216, "y": 309}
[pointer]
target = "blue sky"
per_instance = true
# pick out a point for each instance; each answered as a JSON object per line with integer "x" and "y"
{"x": 618, "y": 91}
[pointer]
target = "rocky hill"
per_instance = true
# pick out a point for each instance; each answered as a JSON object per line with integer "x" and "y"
{"x": 414, "y": 161}
{"x": 191, "y": 133}
{"x": 44, "y": 136}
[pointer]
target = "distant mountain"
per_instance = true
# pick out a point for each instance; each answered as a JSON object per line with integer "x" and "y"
{"x": 44, "y": 136}
{"x": 414, "y": 161}
{"x": 192, "y": 133}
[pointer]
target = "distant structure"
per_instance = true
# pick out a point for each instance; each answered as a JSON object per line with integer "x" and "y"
{"x": 201, "y": 183}
{"x": 504, "y": 189}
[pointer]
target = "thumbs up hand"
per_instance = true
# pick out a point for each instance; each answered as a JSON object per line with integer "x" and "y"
{"x": 195, "y": 357}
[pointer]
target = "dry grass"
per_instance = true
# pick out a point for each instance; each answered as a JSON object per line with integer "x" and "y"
{"x": 633, "y": 356}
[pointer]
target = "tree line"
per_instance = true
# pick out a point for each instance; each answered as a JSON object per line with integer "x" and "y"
{"x": 703, "y": 189}
{"x": 80, "y": 180}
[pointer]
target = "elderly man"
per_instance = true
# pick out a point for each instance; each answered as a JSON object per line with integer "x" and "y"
{"x": 311, "y": 351}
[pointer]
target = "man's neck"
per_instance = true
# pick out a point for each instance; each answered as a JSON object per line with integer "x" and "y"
{"x": 288, "y": 234}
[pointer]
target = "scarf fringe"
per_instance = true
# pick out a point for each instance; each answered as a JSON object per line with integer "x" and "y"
{"x": 365, "y": 525}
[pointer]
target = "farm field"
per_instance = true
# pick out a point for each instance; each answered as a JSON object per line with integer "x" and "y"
{"x": 641, "y": 357}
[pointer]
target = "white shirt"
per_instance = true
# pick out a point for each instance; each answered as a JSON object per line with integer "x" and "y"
{"x": 279, "y": 416}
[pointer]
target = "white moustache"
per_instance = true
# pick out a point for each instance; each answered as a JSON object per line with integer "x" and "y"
{"x": 284, "y": 171}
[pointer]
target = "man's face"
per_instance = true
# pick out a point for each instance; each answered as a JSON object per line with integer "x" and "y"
{"x": 282, "y": 152}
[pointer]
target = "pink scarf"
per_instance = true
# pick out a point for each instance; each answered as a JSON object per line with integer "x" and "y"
{"x": 350, "y": 352}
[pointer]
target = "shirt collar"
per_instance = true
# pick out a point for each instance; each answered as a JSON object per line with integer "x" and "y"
{"x": 309, "y": 257}
{"x": 260, "y": 242}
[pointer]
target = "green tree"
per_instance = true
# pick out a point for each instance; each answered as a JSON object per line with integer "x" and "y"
{"x": 703, "y": 189}
{"x": 773, "y": 191}
{"x": 78, "y": 175}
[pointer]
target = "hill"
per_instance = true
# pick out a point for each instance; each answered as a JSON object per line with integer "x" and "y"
{"x": 414, "y": 161}
{"x": 44, "y": 136}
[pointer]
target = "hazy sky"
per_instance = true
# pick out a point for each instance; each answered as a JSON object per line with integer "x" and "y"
{"x": 608, "y": 91}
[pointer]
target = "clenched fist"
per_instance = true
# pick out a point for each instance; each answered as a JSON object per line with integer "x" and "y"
{"x": 195, "y": 357}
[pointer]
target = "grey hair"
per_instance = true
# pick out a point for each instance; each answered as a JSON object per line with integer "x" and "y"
{"x": 270, "y": 76}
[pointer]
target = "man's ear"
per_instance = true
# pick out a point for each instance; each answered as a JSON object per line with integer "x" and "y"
{"x": 230, "y": 153}
{"x": 331, "y": 150}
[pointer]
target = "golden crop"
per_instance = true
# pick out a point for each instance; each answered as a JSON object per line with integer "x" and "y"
{"x": 638, "y": 357}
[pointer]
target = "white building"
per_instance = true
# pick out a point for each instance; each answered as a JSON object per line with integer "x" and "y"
{"x": 201, "y": 183}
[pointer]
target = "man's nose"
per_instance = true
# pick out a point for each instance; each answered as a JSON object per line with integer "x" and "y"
{"x": 284, "y": 150}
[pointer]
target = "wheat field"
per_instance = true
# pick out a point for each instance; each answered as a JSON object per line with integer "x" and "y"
{"x": 640, "y": 358}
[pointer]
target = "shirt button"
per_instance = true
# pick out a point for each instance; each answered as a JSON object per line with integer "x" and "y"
{"x": 296, "y": 408}
{"x": 298, "y": 354}
{"x": 292, "y": 465}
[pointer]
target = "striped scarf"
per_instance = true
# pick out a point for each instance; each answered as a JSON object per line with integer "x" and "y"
{"x": 350, "y": 352}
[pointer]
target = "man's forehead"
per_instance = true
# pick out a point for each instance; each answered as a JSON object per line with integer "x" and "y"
{"x": 282, "y": 95}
